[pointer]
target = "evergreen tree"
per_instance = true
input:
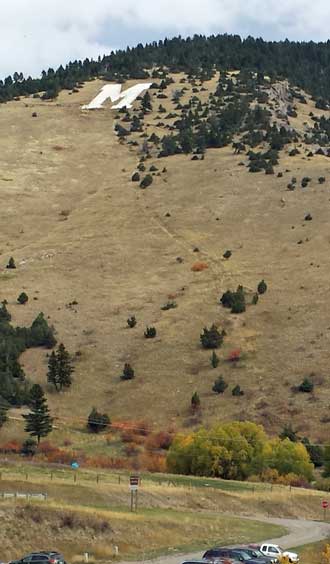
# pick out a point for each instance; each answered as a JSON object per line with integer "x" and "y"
{"x": 4, "y": 313}
{"x": 52, "y": 376}
{"x": 214, "y": 359}
{"x": 22, "y": 298}
{"x": 39, "y": 423}
{"x": 212, "y": 338}
{"x": 236, "y": 391}
{"x": 97, "y": 422}
{"x": 219, "y": 385}
{"x": 3, "y": 416}
{"x": 146, "y": 102}
{"x": 11, "y": 263}
{"x": 128, "y": 372}
{"x": 64, "y": 367}
{"x": 306, "y": 386}
{"x": 195, "y": 401}
{"x": 262, "y": 287}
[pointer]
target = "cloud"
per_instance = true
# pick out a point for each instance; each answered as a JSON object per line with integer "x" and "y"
{"x": 35, "y": 35}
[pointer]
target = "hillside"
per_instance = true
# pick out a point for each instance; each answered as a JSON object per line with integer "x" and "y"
{"x": 81, "y": 231}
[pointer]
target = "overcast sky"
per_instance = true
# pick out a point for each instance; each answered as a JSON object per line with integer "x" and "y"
{"x": 36, "y": 34}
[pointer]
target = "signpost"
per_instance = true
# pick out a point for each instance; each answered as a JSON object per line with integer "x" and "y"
{"x": 134, "y": 482}
{"x": 325, "y": 505}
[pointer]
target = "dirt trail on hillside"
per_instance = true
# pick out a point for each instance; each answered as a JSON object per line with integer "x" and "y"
{"x": 300, "y": 531}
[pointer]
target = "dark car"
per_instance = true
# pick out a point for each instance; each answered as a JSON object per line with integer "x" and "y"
{"x": 206, "y": 561}
{"x": 236, "y": 554}
{"x": 42, "y": 557}
{"x": 256, "y": 553}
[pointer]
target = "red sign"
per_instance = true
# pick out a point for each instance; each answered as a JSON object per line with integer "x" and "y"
{"x": 325, "y": 504}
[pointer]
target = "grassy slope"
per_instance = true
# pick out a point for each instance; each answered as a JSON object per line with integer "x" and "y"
{"x": 79, "y": 229}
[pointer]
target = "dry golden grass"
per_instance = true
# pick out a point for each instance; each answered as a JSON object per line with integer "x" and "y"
{"x": 78, "y": 228}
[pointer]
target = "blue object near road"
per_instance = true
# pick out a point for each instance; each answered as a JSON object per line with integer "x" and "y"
{"x": 74, "y": 465}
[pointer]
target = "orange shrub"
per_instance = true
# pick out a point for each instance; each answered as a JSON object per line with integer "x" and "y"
{"x": 152, "y": 462}
{"x": 161, "y": 440}
{"x": 199, "y": 266}
{"x": 234, "y": 355}
{"x": 11, "y": 447}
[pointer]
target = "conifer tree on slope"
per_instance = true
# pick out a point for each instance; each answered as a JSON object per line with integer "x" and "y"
{"x": 39, "y": 423}
{"x": 60, "y": 368}
{"x": 64, "y": 367}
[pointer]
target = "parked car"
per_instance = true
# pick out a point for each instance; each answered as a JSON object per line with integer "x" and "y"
{"x": 236, "y": 554}
{"x": 205, "y": 561}
{"x": 42, "y": 557}
{"x": 254, "y": 552}
{"x": 275, "y": 551}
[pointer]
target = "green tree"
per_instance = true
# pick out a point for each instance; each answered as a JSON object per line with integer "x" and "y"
{"x": 3, "y": 416}
{"x": 11, "y": 263}
{"x": 39, "y": 423}
{"x": 212, "y": 338}
{"x": 22, "y": 298}
{"x": 97, "y": 421}
{"x": 195, "y": 401}
{"x": 286, "y": 456}
{"x": 214, "y": 359}
{"x": 236, "y": 391}
{"x": 65, "y": 368}
{"x": 52, "y": 371}
{"x": 146, "y": 102}
{"x": 128, "y": 372}
{"x": 219, "y": 385}
{"x": 262, "y": 287}
{"x": 306, "y": 386}
{"x": 4, "y": 313}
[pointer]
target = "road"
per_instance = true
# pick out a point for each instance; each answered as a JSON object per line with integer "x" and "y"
{"x": 300, "y": 531}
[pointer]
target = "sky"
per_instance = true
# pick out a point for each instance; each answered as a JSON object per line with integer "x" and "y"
{"x": 36, "y": 34}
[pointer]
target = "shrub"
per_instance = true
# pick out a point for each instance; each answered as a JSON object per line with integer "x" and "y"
{"x": 97, "y": 421}
{"x": 195, "y": 401}
{"x": 161, "y": 440}
{"x": 199, "y": 266}
{"x": 234, "y": 356}
{"x": 141, "y": 167}
{"x": 262, "y": 287}
{"x": 22, "y": 298}
{"x": 219, "y": 385}
{"x": 255, "y": 299}
{"x": 236, "y": 391}
{"x": 214, "y": 359}
{"x": 136, "y": 177}
{"x": 321, "y": 180}
{"x": 147, "y": 181}
{"x": 29, "y": 447}
{"x": 171, "y": 304}
{"x": 211, "y": 338}
{"x": 11, "y": 263}
{"x": 227, "y": 254}
{"x": 128, "y": 372}
{"x": 234, "y": 300}
{"x": 150, "y": 332}
{"x": 306, "y": 386}
{"x": 131, "y": 321}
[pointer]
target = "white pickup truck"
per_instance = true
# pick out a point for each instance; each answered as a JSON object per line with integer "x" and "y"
{"x": 274, "y": 550}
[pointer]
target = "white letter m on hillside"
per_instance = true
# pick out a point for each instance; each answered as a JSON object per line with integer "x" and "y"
{"x": 113, "y": 91}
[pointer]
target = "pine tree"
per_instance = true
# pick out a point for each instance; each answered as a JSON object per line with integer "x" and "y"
{"x": 195, "y": 401}
{"x": 22, "y": 298}
{"x": 219, "y": 385}
{"x": 11, "y": 263}
{"x": 39, "y": 423}
{"x": 214, "y": 359}
{"x": 146, "y": 102}
{"x": 97, "y": 422}
{"x": 64, "y": 367}
{"x": 4, "y": 313}
{"x": 52, "y": 371}
{"x": 262, "y": 287}
{"x": 128, "y": 372}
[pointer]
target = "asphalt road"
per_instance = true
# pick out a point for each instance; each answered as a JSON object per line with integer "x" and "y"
{"x": 300, "y": 531}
